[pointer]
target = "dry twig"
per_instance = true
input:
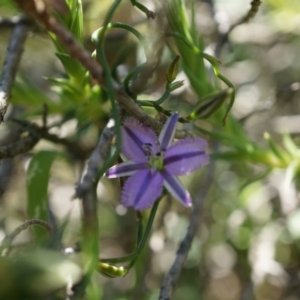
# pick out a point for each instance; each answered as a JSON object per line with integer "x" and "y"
{"x": 86, "y": 191}
{"x": 11, "y": 64}
{"x": 22, "y": 146}
{"x": 255, "y": 4}
{"x": 97, "y": 160}
{"x": 182, "y": 252}
{"x": 35, "y": 134}
{"x": 43, "y": 133}
{"x": 13, "y": 21}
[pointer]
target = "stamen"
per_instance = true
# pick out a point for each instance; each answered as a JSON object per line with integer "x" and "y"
{"x": 156, "y": 162}
{"x": 147, "y": 147}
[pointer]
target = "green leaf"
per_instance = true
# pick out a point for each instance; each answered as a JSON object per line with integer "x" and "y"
{"x": 72, "y": 67}
{"x": 75, "y": 22}
{"x": 66, "y": 85}
{"x": 38, "y": 174}
{"x": 290, "y": 145}
{"x": 25, "y": 93}
{"x": 255, "y": 178}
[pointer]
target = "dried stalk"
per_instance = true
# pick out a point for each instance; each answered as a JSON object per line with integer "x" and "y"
{"x": 96, "y": 161}
{"x": 185, "y": 245}
{"x": 10, "y": 66}
{"x": 22, "y": 146}
{"x": 255, "y": 4}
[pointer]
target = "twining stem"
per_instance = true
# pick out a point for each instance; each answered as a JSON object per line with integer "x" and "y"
{"x": 143, "y": 8}
{"x": 214, "y": 63}
{"x": 124, "y": 26}
{"x": 141, "y": 244}
{"x": 5, "y": 245}
{"x": 157, "y": 102}
{"x": 99, "y": 40}
{"x": 146, "y": 234}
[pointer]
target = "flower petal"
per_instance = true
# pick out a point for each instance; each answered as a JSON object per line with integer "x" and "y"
{"x": 135, "y": 135}
{"x": 186, "y": 156}
{"x": 167, "y": 134}
{"x": 176, "y": 189}
{"x": 125, "y": 169}
{"x": 142, "y": 189}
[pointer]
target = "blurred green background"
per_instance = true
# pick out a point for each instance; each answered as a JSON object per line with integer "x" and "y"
{"x": 248, "y": 241}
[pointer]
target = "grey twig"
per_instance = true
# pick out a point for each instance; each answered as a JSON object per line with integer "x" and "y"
{"x": 43, "y": 133}
{"x": 22, "y": 146}
{"x": 138, "y": 84}
{"x": 182, "y": 252}
{"x": 35, "y": 134}
{"x": 72, "y": 147}
{"x": 7, "y": 166}
{"x": 13, "y": 21}
{"x": 86, "y": 190}
{"x": 97, "y": 160}
{"x": 11, "y": 64}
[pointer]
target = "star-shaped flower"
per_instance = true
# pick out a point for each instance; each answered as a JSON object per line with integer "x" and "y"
{"x": 154, "y": 163}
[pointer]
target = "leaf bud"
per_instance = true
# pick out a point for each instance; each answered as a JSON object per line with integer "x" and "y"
{"x": 173, "y": 70}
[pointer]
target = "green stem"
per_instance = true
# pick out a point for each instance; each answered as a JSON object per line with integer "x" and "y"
{"x": 111, "y": 95}
{"x": 6, "y": 243}
{"x": 99, "y": 40}
{"x": 163, "y": 98}
{"x": 133, "y": 256}
{"x": 143, "y": 8}
{"x": 177, "y": 35}
{"x": 91, "y": 254}
{"x": 140, "y": 229}
{"x": 108, "y": 17}
{"x": 124, "y": 26}
{"x": 214, "y": 62}
{"x": 146, "y": 234}
{"x": 130, "y": 75}
{"x": 155, "y": 103}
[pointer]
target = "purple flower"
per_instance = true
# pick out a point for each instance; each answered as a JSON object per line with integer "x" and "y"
{"x": 155, "y": 163}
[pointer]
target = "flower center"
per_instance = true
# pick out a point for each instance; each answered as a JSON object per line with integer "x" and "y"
{"x": 156, "y": 162}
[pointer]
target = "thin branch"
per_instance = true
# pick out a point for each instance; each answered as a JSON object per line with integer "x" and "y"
{"x": 86, "y": 190}
{"x": 138, "y": 84}
{"x": 13, "y": 21}
{"x": 255, "y": 4}
{"x": 97, "y": 160}
{"x": 174, "y": 272}
{"x": 74, "y": 48}
{"x": 72, "y": 147}
{"x": 87, "y": 187}
{"x": 22, "y": 146}
{"x": 6, "y": 165}
{"x": 10, "y": 66}
{"x": 43, "y": 133}
{"x": 5, "y": 245}
{"x": 35, "y": 134}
